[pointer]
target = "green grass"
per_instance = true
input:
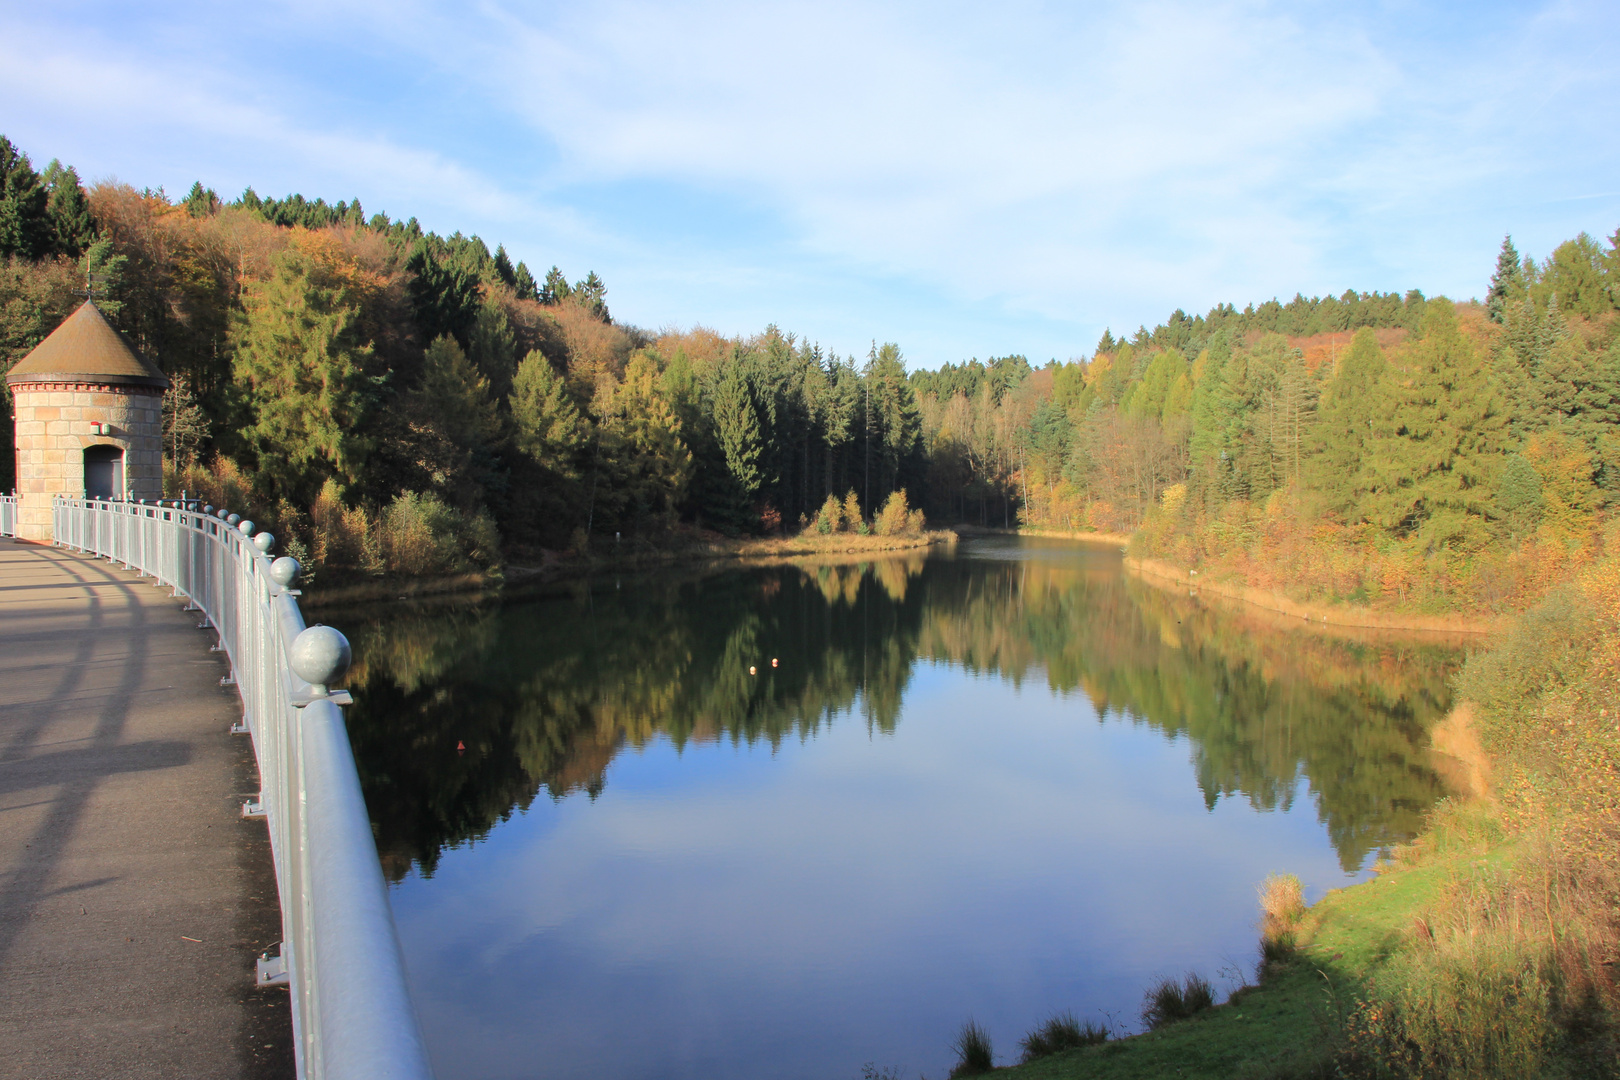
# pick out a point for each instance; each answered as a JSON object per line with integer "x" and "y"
{"x": 1281, "y": 1028}
{"x": 1062, "y": 1032}
{"x": 973, "y": 1051}
{"x": 1168, "y": 1001}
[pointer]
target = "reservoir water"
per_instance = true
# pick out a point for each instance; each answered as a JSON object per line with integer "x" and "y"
{"x": 790, "y": 821}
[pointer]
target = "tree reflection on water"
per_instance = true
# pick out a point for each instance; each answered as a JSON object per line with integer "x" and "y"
{"x": 544, "y": 691}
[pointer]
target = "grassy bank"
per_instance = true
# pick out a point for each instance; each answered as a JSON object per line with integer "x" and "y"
{"x": 1286, "y": 1024}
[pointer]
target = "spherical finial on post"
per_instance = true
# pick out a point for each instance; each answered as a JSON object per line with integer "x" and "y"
{"x": 246, "y": 527}
{"x": 319, "y": 655}
{"x": 264, "y": 542}
{"x": 284, "y": 571}
{"x": 233, "y": 520}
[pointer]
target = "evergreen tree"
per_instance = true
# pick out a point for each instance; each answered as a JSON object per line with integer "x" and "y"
{"x": 1148, "y": 397}
{"x": 492, "y": 347}
{"x": 523, "y": 283}
{"x": 1243, "y": 445}
{"x": 895, "y": 423}
{"x": 546, "y": 424}
{"x": 1518, "y": 495}
{"x": 185, "y": 425}
{"x": 460, "y": 425}
{"x": 1507, "y": 284}
{"x": 1051, "y": 437}
{"x": 1569, "y": 497}
{"x": 1575, "y": 275}
{"x": 24, "y": 223}
{"x": 73, "y": 229}
{"x": 1355, "y": 422}
{"x": 299, "y": 365}
{"x": 1208, "y": 417}
{"x": 556, "y": 289}
{"x": 591, "y": 294}
{"x": 444, "y": 295}
{"x": 1451, "y": 430}
{"x": 200, "y": 202}
{"x": 737, "y": 425}
{"x": 504, "y": 269}
{"x": 646, "y": 462}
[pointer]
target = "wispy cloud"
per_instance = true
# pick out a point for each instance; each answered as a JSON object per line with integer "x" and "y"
{"x": 961, "y": 179}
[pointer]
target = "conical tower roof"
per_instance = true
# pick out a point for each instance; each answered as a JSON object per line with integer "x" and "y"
{"x": 87, "y": 348}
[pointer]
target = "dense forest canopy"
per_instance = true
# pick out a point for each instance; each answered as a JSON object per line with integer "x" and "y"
{"x": 398, "y": 400}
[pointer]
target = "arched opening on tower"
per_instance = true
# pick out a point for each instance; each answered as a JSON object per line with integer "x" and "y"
{"x": 103, "y": 472}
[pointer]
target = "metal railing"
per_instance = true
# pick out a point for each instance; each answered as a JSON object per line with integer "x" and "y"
{"x": 351, "y": 1012}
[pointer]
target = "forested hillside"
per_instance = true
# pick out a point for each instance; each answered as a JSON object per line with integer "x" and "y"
{"x": 398, "y": 400}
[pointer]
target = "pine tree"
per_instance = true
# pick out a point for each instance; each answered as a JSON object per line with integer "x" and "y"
{"x": 1507, "y": 284}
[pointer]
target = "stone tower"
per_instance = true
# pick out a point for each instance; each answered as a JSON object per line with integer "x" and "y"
{"x": 89, "y": 413}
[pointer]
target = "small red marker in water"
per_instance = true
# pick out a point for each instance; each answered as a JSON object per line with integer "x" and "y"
{"x": 460, "y": 746}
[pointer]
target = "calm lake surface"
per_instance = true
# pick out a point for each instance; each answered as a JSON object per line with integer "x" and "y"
{"x": 783, "y": 822}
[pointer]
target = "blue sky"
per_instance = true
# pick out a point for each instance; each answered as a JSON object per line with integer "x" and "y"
{"x": 965, "y": 180}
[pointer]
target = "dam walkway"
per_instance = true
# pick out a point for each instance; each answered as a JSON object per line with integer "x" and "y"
{"x": 134, "y": 897}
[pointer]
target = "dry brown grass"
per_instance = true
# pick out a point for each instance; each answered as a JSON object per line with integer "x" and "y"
{"x": 1282, "y": 901}
{"x": 1457, "y": 754}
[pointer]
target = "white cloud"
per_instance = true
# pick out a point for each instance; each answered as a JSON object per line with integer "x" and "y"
{"x": 959, "y": 178}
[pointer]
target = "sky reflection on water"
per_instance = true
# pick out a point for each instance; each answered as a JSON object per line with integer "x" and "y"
{"x": 849, "y": 887}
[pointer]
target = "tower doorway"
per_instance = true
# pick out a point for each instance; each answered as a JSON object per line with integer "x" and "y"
{"x": 103, "y": 472}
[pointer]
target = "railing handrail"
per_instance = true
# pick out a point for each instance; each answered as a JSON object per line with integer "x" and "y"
{"x": 351, "y": 1010}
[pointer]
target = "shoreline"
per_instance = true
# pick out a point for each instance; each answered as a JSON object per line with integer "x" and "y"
{"x": 1342, "y": 945}
{"x": 835, "y": 548}
{"x": 1084, "y": 536}
{"x": 1162, "y": 574}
